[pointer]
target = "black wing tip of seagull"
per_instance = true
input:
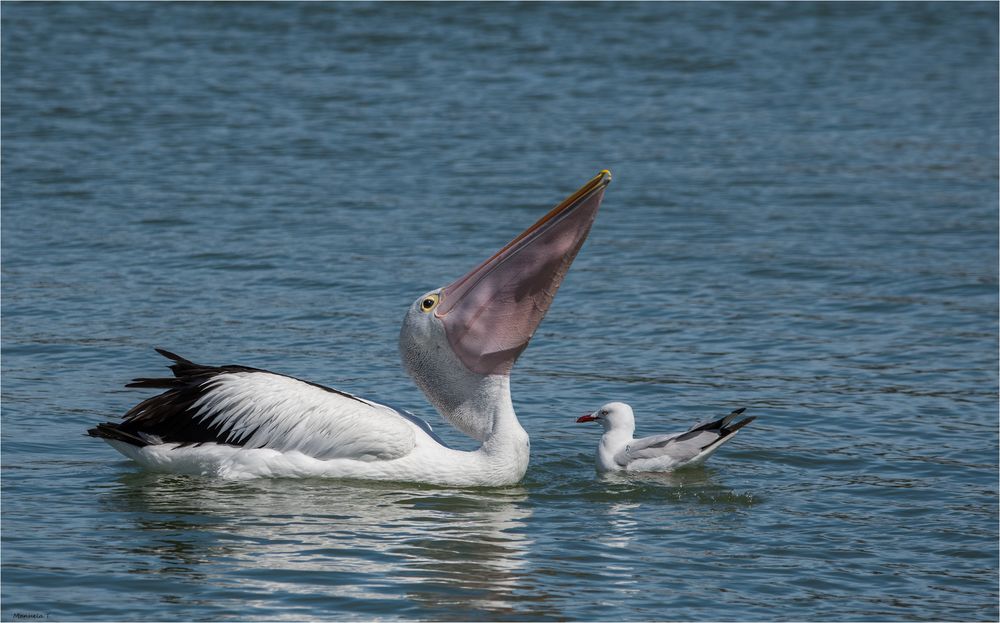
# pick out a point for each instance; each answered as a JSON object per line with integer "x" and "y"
{"x": 724, "y": 422}
{"x": 720, "y": 424}
{"x": 725, "y": 430}
{"x": 729, "y": 430}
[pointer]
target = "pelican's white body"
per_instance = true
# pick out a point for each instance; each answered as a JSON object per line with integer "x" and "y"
{"x": 313, "y": 432}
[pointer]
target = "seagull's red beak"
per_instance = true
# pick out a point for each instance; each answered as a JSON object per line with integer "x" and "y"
{"x": 490, "y": 314}
{"x": 586, "y": 418}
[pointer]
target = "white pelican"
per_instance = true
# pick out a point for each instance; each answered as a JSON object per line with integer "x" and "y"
{"x": 618, "y": 451}
{"x": 458, "y": 343}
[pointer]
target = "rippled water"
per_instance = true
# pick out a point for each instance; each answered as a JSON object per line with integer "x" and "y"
{"x": 803, "y": 221}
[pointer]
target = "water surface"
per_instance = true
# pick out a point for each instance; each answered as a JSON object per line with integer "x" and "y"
{"x": 803, "y": 222}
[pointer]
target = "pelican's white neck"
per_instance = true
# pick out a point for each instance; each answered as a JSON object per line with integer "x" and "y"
{"x": 491, "y": 402}
{"x": 505, "y": 450}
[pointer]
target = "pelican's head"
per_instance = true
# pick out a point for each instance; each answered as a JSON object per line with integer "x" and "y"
{"x": 475, "y": 328}
{"x": 612, "y": 416}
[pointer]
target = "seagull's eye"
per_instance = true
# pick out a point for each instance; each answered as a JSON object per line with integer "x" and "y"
{"x": 430, "y": 302}
{"x": 603, "y": 412}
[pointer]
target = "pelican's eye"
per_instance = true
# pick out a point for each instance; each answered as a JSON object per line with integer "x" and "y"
{"x": 430, "y": 302}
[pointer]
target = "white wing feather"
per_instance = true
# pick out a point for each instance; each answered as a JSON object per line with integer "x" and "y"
{"x": 268, "y": 410}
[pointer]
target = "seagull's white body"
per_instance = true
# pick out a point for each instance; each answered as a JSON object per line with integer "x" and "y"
{"x": 619, "y": 451}
{"x": 458, "y": 343}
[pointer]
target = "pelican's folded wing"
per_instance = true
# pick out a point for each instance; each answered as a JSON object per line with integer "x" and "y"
{"x": 252, "y": 408}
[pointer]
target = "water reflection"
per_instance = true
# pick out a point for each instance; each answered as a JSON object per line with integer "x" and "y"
{"x": 621, "y": 524}
{"x": 688, "y": 477}
{"x": 698, "y": 485}
{"x": 310, "y": 540}
{"x": 623, "y": 528}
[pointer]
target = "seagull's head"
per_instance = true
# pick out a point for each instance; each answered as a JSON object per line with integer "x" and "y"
{"x": 612, "y": 416}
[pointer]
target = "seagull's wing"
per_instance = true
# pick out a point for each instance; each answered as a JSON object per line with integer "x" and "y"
{"x": 679, "y": 448}
{"x": 251, "y": 408}
{"x": 644, "y": 448}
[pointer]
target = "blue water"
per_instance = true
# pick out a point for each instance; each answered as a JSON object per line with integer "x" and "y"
{"x": 803, "y": 221}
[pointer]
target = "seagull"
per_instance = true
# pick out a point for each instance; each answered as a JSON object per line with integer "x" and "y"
{"x": 458, "y": 343}
{"x": 618, "y": 451}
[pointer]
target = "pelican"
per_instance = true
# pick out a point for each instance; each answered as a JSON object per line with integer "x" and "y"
{"x": 618, "y": 451}
{"x": 458, "y": 343}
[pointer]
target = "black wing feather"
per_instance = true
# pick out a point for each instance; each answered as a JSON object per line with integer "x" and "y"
{"x": 720, "y": 427}
{"x": 169, "y": 415}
